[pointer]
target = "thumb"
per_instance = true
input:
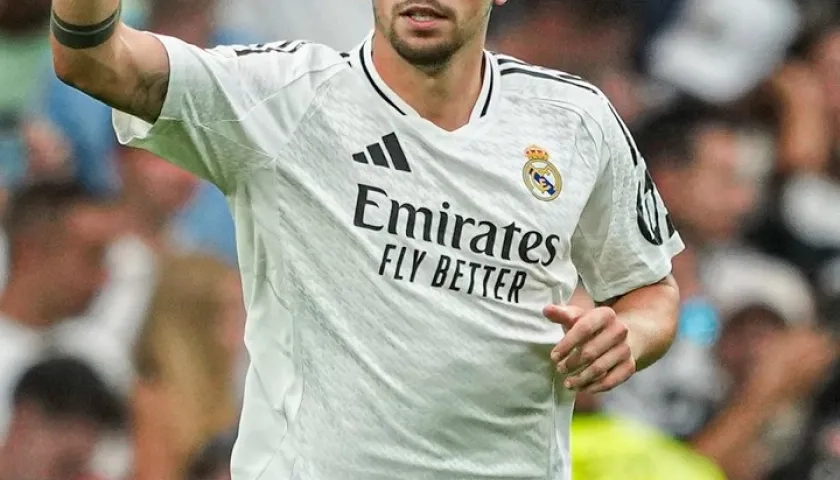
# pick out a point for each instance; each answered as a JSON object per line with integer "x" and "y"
{"x": 566, "y": 315}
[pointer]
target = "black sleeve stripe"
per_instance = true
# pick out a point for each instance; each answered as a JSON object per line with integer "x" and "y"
{"x": 634, "y": 151}
{"x": 503, "y": 60}
{"x": 547, "y": 76}
{"x": 280, "y": 47}
{"x": 508, "y": 65}
{"x": 489, "y": 97}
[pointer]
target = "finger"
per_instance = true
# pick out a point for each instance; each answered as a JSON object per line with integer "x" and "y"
{"x": 570, "y": 364}
{"x": 604, "y": 340}
{"x": 565, "y": 315}
{"x": 599, "y": 368}
{"x": 584, "y": 329}
{"x": 618, "y": 375}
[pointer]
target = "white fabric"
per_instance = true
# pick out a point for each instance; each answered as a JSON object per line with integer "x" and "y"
{"x": 104, "y": 337}
{"x": 718, "y": 50}
{"x": 394, "y": 323}
{"x": 20, "y": 348}
{"x": 737, "y": 278}
{"x": 106, "y": 334}
{"x": 805, "y": 200}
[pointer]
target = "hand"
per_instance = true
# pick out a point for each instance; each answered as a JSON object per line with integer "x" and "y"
{"x": 595, "y": 352}
{"x": 797, "y": 81}
{"x": 791, "y": 364}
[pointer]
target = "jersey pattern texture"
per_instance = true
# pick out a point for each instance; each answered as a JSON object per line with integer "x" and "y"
{"x": 394, "y": 272}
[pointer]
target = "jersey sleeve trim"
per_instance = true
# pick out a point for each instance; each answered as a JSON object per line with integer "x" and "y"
{"x": 640, "y": 277}
{"x": 509, "y": 65}
{"x": 131, "y": 129}
{"x": 183, "y": 111}
{"x": 279, "y": 47}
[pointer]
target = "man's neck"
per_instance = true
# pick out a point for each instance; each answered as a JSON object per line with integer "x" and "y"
{"x": 445, "y": 97}
{"x": 18, "y": 303}
{"x": 146, "y": 224}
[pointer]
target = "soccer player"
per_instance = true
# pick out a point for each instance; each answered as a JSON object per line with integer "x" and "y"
{"x": 408, "y": 214}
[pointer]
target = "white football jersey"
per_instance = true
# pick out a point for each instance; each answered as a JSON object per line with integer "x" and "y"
{"x": 395, "y": 272}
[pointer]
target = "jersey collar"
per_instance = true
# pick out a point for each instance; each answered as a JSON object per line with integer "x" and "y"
{"x": 363, "y": 59}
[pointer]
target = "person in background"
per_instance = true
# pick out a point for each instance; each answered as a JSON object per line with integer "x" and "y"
{"x": 58, "y": 235}
{"x": 199, "y": 220}
{"x": 773, "y": 359}
{"x": 720, "y": 50}
{"x": 802, "y": 117}
{"x": 587, "y": 37}
{"x": 799, "y": 229}
{"x": 590, "y": 38}
{"x": 153, "y": 191}
{"x": 692, "y": 155}
{"x": 61, "y": 409}
{"x": 695, "y": 158}
{"x": 24, "y": 53}
{"x": 607, "y": 447}
{"x": 24, "y": 58}
{"x": 818, "y": 456}
{"x": 344, "y": 27}
{"x": 161, "y": 203}
{"x": 187, "y": 361}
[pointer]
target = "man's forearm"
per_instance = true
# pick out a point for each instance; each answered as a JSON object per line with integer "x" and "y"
{"x": 85, "y": 12}
{"x": 651, "y": 315}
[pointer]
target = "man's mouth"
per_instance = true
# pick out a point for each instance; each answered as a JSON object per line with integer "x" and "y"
{"x": 422, "y": 14}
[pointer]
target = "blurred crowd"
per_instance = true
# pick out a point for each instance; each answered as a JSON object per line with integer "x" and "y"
{"x": 121, "y": 313}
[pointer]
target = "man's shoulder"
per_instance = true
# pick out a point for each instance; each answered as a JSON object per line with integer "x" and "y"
{"x": 270, "y": 66}
{"x": 308, "y": 56}
{"x": 541, "y": 84}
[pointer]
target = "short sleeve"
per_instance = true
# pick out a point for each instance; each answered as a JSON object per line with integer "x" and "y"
{"x": 625, "y": 238}
{"x": 224, "y": 105}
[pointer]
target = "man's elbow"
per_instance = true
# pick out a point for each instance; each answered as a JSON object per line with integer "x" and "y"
{"x": 90, "y": 69}
{"x": 69, "y": 66}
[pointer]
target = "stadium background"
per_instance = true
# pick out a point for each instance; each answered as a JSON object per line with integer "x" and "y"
{"x": 734, "y": 103}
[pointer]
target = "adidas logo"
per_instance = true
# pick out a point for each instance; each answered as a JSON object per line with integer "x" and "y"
{"x": 377, "y": 155}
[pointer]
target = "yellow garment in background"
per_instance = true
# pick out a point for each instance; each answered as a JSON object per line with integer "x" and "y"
{"x": 607, "y": 448}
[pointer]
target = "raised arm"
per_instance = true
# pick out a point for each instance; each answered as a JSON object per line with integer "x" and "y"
{"x": 96, "y": 53}
{"x": 221, "y": 112}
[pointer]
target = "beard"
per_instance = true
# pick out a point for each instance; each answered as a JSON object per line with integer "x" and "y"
{"x": 435, "y": 51}
{"x": 432, "y": 56}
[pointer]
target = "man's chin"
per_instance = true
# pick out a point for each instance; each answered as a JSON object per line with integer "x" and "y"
{"x": 424, "y": 52}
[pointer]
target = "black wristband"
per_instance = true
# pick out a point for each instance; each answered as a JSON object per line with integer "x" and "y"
{"x": 79, "y": 37}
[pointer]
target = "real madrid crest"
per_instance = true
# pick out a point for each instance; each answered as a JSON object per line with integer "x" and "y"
{"x": 541, "y": 177}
